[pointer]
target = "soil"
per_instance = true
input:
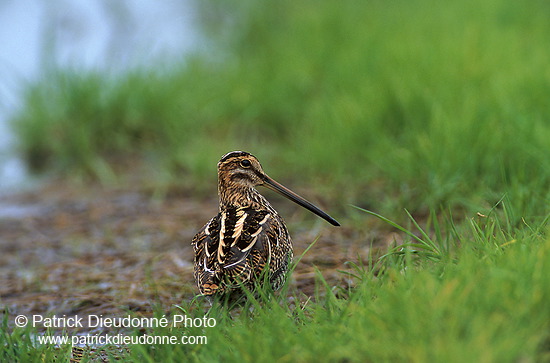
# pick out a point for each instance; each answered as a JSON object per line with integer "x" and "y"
{"x": 80, "y": 250}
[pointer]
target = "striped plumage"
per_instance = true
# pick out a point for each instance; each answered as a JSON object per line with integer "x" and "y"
{"x": 247, "y": 235}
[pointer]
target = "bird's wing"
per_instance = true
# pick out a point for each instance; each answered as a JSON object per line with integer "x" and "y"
{"x": 240, "y": 231}
{"x": 224, "y": 244}
{"x": 205, "y": 265}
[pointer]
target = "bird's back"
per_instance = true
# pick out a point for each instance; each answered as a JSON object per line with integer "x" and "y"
{"x": 237, "y": 246}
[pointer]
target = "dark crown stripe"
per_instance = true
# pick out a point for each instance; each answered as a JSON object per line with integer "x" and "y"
{"x": 234, "y": 154}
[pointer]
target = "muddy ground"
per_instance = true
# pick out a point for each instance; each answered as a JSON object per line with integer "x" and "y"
{"x": 107, "y": 251}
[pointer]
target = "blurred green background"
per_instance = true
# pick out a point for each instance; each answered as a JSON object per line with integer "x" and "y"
{"x": 384, "y": 104}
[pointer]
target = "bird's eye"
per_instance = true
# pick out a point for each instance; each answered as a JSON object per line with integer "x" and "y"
{"x": 245, "y": 163}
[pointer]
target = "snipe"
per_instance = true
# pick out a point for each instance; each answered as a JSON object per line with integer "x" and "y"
{"x": 247, "y": 238}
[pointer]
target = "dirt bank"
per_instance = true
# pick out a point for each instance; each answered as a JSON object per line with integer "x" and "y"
{"x": 94, "y": 250}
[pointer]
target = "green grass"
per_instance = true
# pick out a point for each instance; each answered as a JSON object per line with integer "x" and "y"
{"x": 20, "y": 345}
{"x": 484, "y": 299}
{"x": 410, "y": 103}
{"x": 487, "y": 301}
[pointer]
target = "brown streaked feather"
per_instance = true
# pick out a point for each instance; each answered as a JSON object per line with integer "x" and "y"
{"x": 238, "y": 250}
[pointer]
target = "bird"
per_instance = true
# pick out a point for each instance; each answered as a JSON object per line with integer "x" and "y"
{"x": 247, "y": 243}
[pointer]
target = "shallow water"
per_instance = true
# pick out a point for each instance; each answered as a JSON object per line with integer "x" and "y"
{"x": 103, "y": 34}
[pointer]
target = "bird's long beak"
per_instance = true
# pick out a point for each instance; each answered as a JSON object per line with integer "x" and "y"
{"x": 279, "y": 188}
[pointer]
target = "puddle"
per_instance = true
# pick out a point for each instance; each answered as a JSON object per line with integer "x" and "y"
{"x": 18, "y": 211}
